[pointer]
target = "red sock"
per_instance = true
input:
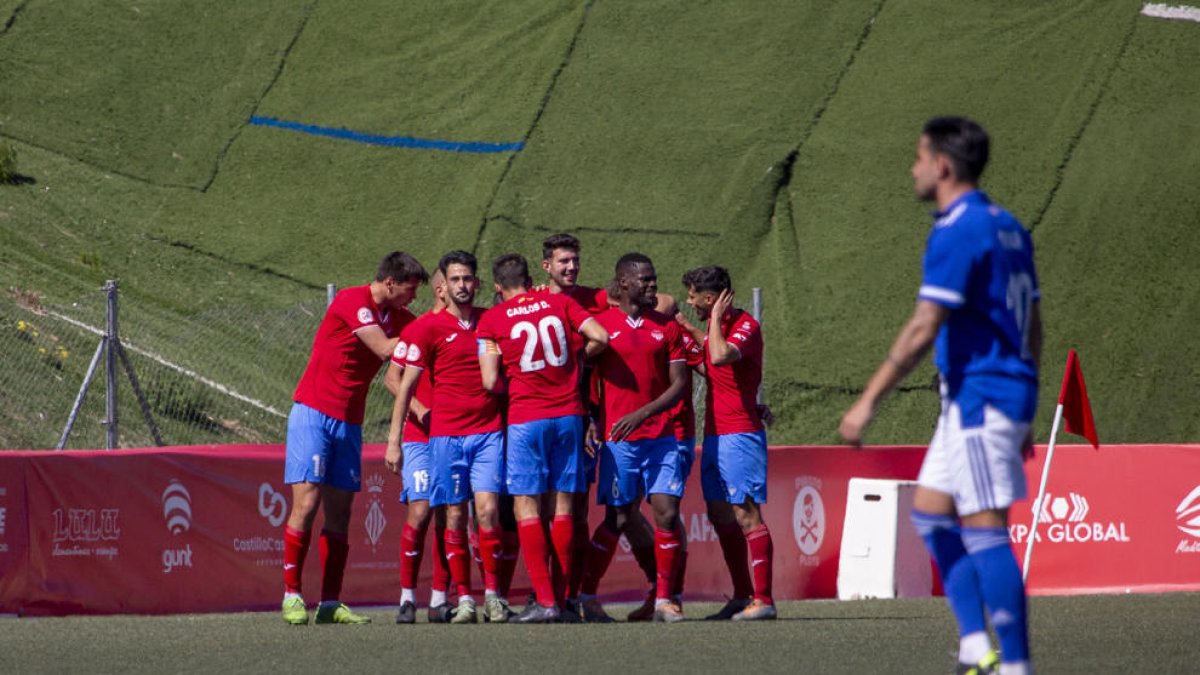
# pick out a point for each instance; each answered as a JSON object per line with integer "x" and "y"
{"x": 334, "y": 551}
{"x": 683, "y": 556}
{"x": 295, "y": 548}
{"x": 733, "y": 547}
{"x": 600, "y": 553}
{"x": 476, "y": 554}
{"x": 562, "y": 535}
{"x": 533, "y": 541}
{"x": 666, "y": 554}
{"x": 458, "y": 555}
{"x": 490, "y": 550}
{"x": 646, "y": 560}
{"x": 511, "y": 543}
{"x": 579, "y": 551}
{"x": 441, "y": 568}
{"x": 762, "y": 554}
{"x": 412, "y": 550}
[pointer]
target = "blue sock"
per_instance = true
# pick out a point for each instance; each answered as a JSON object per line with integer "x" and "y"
{"x": 959, "y": 579}
{"x": 1003, "y": 590}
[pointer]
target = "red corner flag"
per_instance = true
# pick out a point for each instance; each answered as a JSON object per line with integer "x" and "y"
{"x": 1077, "y": 412}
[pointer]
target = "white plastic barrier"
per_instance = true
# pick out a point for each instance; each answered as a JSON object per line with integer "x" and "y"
{"x": 882, "y": 556}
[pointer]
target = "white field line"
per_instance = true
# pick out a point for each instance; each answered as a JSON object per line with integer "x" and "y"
{"x": 177, "y": 368}
{"x": 1164, "y": 11}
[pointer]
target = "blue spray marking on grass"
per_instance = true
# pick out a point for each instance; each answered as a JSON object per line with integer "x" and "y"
{"x": 389, "y": 141}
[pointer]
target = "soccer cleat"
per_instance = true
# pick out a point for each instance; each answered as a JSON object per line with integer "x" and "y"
{"x": 593, "y": 612}
{"x": 407, "y": 613}
{"x": 732, "y": 607}
{"x": 668, "y": 612}
{"x": 989, "y": 664}
{"x": 537, "y": 613}
{"x": 496, "y": 610}
{"x": 441, "y": 613}
{"x": 339, "y": 613}
{"x": 645, "y": 612}
{"x": 294, "y": 611}
{"x": 569, "y": 614}
{"x": 757, "y": 610}
{"x": 571, "y": 606}
{"x": 465, "y": 612}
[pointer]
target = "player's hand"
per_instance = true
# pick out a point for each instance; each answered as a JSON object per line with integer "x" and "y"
{"x": 393, "y": 458}
{"x": 764, "y": 411}
{"x": 722, "y": 304}
{"x": 591, "y": 439}
{"x": 626, "y": 425}
{"x": 855, "y": 422}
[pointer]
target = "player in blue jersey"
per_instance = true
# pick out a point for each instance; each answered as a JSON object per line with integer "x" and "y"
{"x": 978, "y": 308}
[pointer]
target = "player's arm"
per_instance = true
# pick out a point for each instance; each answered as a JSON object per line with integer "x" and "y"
{"x": 393, "y": 458}
{"x": 627, "y": 424}
{"x": 377, "y": 341}
{"x": 667, "y": 304}
{"x": 695, "y": 331}
{"x": 1035, "y": 334}
{"x": 911, "y": 345}
{"x": 597, "y": 338}
{"x": 489, "y": 365}
{"x": 719, "y": 349}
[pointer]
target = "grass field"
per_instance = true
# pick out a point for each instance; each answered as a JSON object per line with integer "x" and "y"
{"x": 771, "y": 137}
{"x": 1094, "y": 634}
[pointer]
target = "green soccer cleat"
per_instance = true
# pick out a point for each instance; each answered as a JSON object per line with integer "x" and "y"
{"x": 988, "y": 665}
{"x": 294, "y": 611}
{"x": 339, "y": 613}
{"x": 496, "y": 610}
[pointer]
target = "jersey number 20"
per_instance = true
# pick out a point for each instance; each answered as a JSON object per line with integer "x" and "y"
{"x": 553, "y": 338}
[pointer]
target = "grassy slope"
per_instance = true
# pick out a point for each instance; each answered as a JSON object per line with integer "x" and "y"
{"x": 668, "y": 131}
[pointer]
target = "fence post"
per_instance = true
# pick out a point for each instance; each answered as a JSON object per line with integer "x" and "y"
{"x": 110, "y": 365}
{"x": 756, "y": 310}
{"x": 330, "y": 291}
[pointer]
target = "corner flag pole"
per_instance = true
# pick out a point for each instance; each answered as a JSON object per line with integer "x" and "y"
{"x": 1037, "y": 504}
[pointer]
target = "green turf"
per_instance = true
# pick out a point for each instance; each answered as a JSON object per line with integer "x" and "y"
{"x": 1107, "y": 634}
{"x": 773, "y": 138}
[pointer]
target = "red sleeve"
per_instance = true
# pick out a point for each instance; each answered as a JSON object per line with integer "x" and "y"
{"x": 576, "y": 314}
{"x": 417, "y": 348}
{"x": 352, "y": 309}
{"x": 694, "y": 350}
{"x": 486, "y": 330}
{"x": 746, "y": 335}
{"x": 675, "y": 342}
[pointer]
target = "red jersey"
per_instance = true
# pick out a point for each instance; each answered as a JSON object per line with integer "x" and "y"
{"x": 414, "y": 430}
{"x": 635, "y": 369}
{"x": 446, "y": 347}
{"x": 532, "y": 332}
{"x": 731, "y": 404}
{"x": 341, "y": 367}
{"x": 684, "y": 413}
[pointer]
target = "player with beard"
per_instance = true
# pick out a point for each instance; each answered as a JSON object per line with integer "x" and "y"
{"x": 465, "y": 439}
{"x": 528, "y": 333}
{"x": 642, "y": 376}
{"x": 324, "y": 436}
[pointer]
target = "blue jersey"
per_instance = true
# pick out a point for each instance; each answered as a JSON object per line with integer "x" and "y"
{"x": 979, "y": 264}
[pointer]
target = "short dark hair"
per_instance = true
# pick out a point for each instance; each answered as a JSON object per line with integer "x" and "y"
{"x": 708, "y": 279}
{"x": 629, "y": 260}
{"x": 457, "y": 258}
{"x": 556, "y": 241}
{"x": 511, "y": 270}
{"x": 401, "y": 267}
{"x": 963, "y": 142}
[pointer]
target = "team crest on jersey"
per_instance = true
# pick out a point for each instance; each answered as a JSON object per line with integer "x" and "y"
{"x": 365, "y": 315}
{"x": 401, "y": 349}
{"x": 414, "y": 353}
{"x": 657, "y": 335}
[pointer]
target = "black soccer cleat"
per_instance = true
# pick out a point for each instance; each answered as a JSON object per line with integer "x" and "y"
{"x": 441, "y": 613}
{"x": 407, "y": 613}
{"x": 537, "y": 613}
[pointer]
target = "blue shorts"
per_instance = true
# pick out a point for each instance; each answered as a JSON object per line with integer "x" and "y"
{"x": 687, "y": 452}
{"x": 462, "y": 465}
{"x": 415, "y": 473}
{"x": 546, "y": 455}
{"x": 322, "y": 449}
{"x": 630, "y": 470}
{"x": 733, "y": 468}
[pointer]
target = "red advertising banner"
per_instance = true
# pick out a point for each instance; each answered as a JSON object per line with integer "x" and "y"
{"x": 200, "y": 529}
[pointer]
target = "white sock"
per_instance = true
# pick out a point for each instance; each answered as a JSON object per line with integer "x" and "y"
{"x": 659, "y": 602}
{"x": 407, "y": 595}
{"x": 437, "y": 598}
{"x": 973, "y": 647}
{"x": 488, "y": 594}
{"x": 1016, "y": 668}
{"x": 289, "y": 596}
{"x": 462, "y": 598}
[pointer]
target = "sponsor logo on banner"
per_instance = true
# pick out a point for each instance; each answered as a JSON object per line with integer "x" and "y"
{"x": 1187, "y": 519}
{"x": 808, "y": 520}
{"x": 177, "y": 512}
{"x": 86, "y": 533}
{"x": 3, "y": 521}
{"x": 375, "y": 521}
{"x": 1063, "y": 519}
{"x": 266, "y": 551}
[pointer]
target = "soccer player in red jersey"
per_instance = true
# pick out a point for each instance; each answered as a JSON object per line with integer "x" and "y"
{"x": 415, "y": 478}
{"x": 465, "y": 440}
{"x": 561, "y": 262}
{"x": 528, "y": 334}
{"x": 733, "y": 466}
{"x": 642, "y": 377}
{"x": 324, "y": 437}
